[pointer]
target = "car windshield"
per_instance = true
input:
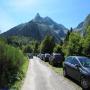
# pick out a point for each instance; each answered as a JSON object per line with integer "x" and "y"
{"x": 47, "y": 55}
{"x": 85, "y": 61}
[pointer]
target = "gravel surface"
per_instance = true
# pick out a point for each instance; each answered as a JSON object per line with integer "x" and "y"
{"x": 40, "y": 77}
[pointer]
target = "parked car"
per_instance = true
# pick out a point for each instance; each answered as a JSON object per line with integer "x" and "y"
{"x": 78, "y": 68}
{"x": 47, "y": 56}
{"x": 30, "y": 55}
{"x": 42, "y": 56}
{"x": 38, "y": 55}
{"x": 56, "y": 59}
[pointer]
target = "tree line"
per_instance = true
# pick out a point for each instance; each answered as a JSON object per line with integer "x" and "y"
{"x": 74, "y": 44}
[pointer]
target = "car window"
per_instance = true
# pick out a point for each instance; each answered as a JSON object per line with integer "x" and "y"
{"x": 74, "y": 61}
{"x": 69, "y": 59}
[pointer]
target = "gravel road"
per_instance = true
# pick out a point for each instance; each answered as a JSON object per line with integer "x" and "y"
{"x": 40, "y": 77}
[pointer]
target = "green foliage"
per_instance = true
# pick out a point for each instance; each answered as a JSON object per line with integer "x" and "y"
{"x": 57, "y": 49}
{"x": 18, "y": 41}
{"x": 36, "y": 47}
{"x": 86, "y": 44}
{"x": 11, "y": 62}
{"x": 74, "y": 45}
{"x": 18, "y": 83}
{"x": 47, "y": 45}
{"x": 68, "y": 34}
{"x": 27, "y": 49}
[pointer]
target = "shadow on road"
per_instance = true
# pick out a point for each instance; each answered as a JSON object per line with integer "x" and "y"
{"x": 78, "y": 83}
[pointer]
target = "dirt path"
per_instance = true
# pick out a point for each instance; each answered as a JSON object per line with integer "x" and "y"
{"x": 41, "y": 77}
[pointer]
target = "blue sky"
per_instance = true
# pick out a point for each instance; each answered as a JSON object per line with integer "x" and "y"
{"x": 67, "y": 12}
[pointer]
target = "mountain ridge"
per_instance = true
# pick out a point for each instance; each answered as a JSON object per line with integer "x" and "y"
{"x": 81, "y": 27}
{"x": 38, "y": 28}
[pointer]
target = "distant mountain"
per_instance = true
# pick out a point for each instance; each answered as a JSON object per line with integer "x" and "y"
{"x": 82, "y": 26}
{"x": 38, "y": 28}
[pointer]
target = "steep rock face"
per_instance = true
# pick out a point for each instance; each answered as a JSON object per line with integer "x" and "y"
{"x": 38, "y": 28}
{"x": 83, "y": 25}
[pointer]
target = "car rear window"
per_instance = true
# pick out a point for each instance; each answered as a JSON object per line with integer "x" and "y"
{"x": 57, "y": 55}
{"x": 47, "y": 55}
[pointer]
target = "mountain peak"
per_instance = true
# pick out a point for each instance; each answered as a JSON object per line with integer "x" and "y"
{"x": 38, "y": 18}
{"x": 37, "y": 15}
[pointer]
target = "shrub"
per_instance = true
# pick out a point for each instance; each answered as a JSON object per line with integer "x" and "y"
{"x": 11, "y": 62}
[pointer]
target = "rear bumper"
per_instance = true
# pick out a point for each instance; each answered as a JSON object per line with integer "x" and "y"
{"x": 57, "y": 61}
{"x": 46, "y": 59}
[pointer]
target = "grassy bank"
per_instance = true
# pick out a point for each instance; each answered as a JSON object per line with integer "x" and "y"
{"x": 17, "y": 85}
{"x": 58, "y": 70}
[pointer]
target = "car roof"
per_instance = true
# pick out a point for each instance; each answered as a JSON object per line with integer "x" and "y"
{"x": 78, "y": 56}
{"x": 56, "y": 54}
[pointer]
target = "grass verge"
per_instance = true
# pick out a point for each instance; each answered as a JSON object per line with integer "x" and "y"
{"x": 58, "y": 70}
{"x": 17, "y": 85}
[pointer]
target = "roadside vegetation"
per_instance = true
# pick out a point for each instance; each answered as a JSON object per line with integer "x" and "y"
{"x": 13, "y": 66}
{"x": 77, "y": 44}
{"x": 74, "y": 44}
{"x": 58, "y": 70}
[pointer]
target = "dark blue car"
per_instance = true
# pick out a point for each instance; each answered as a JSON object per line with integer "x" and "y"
{"x": 78, "y": 67}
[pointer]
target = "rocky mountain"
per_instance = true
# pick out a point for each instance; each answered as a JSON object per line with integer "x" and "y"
{"x": 38, "y": 28}
{"x": 82, "y": 26}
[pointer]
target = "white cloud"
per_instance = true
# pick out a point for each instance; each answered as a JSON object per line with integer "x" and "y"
{"x": 6, "y": 21}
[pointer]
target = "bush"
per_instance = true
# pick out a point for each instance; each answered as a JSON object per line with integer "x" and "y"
{"x": 11, "y": 62}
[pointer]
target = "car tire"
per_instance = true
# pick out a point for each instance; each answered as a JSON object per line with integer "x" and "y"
{"x": 64, "y": 73}
{"x": 84, "y": 83}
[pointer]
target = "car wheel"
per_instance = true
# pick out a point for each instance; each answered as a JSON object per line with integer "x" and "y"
{"x": 84, "y": 83}
{"x": 64, "y": 73}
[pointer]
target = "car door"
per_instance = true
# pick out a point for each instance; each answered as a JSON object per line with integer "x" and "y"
{"x": 68, "y": 66}
{"x": 75, "y": 72}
